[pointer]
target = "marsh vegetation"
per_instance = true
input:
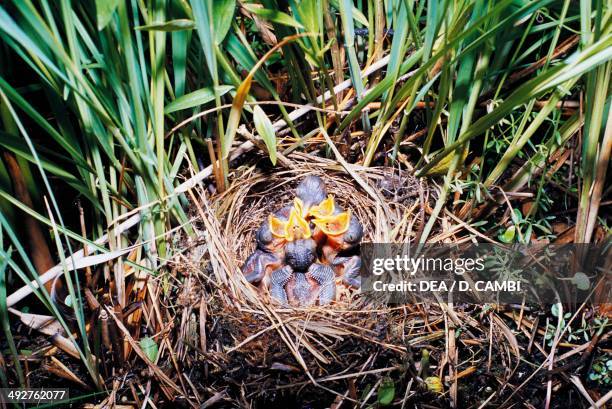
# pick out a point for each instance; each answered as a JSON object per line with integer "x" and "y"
{"x": 143, "y": 141}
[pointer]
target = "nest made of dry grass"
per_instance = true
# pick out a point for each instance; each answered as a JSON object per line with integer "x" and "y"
{"x": 385, "y": 200}
{"x": 260, "y": 349}
{"x": 258, "y": 194}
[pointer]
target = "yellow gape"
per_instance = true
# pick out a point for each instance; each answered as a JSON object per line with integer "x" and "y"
{"x": 278, "y": 227}
{"x": 298, "y": 205}
{"x": 297, "y": 227}
{"x": 334, "y": 225}
{"x": 324, "y": 209}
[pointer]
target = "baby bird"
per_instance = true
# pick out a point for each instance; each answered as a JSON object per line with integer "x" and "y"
{"x": 270, "y": 249}
{"x": 285, "y": 226}
{"x": 301, "y": 281}
{"x": 335, "y": 229}
{"x": 311, "y": 191}
{"x": 338, "y": 231}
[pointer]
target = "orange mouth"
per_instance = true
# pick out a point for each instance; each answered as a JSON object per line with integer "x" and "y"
{"x": 334, "y": 225}
{"x": 297, "y": 226}
{"x": 293, "y": 229}
{"x": 278, "y": 227}
{"x": 324, "y": 209}
{"x": 322, "y": 216}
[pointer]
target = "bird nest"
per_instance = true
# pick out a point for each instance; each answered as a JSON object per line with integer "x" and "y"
{"x": 255, "y": 349}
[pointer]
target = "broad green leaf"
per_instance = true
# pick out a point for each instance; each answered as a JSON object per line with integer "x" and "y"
{"x": 223, "y": 14}
{"x": 104, "y": 11}
{"x": 309, "y": 11}
{"x": 168, "y": 26}
{"x": 555, "y": 310}
{"x": 346, "y": 14}
{"x": 398, "y": 48}
{"x": 274, "y": 16}
{"x": 201, "y": 15}
{"x": 386, "y": 392}
{"x": 195, "y": 98}
{"x": 516, "y": 216}
{"x": 581, "y": 281}
{"x": 431, "y": 27}
{"x": 180, "y": 44}
{"x": 266, "y": 131}
{"x": 149, "y": 347}
{"x": 508, "y": 235}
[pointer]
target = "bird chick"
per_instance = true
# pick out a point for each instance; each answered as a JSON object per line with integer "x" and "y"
{"x": 270, "y": 250}
{"x": 302, "y": 282}
{"x": 311, "y": 191}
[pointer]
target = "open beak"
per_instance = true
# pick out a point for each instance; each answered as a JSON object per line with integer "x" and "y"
{"x": 297, "y": 226}
{"x": 334, "y": 225}
{"x": 300, "y": 207}
{"x": 324, "y": 209}
{"x": 278, "y": 227}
